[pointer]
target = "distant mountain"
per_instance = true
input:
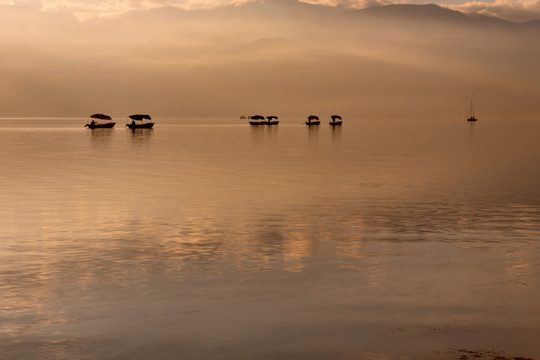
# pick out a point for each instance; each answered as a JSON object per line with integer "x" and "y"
{"x": 412, "y": 12}
{"x": 428, "y": 14}
{"x": 273, "y": 9}
{"x": 253, "y": 14}
{"x": 530, "y": 25}
{"x": 491, "y": 21}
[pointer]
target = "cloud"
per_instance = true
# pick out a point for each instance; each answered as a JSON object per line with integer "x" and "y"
{"x": 514, "y": 10}
{"x": 84, "y": 9}
{"x": 518, "y": 11}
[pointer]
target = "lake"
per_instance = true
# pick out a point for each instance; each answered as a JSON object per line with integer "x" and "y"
{"x": 211, "y": 239}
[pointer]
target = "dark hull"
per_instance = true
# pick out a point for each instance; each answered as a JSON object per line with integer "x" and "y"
{"x": 140, "y": 126}
{"x": 101, "y": 126}
{"x": 263, "y": 122}
{"x": 313, "y": 123}
{"x": 472, "y": 118}
{"x": 337, "y": 123}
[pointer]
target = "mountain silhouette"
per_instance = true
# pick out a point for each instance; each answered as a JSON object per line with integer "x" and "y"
{"x": 412, "y": 12}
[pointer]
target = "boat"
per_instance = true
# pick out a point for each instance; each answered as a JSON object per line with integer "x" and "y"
{"x": 272, "y": 120}
{"x": 257, "y": 120}
{"x": 100, "y": 121}
{"x": 336, "y": 120}
{"x": 471, "y": 116}
{"x": 313, "y": 120}
{"x": 138, "y": 122}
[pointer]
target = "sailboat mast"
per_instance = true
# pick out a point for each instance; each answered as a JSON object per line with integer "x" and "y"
{"x": 471, "y": 112}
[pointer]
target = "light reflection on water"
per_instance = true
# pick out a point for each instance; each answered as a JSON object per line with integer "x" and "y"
{"x": 204, "y": 237}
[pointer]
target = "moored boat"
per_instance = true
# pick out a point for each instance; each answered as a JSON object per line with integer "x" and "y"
{"x": 313, "y": 120}
{"x": 336, "y": 120}
{"x": 100, "y": 121}
{"x": 272, "y": 120}
{"x": 257, "y": 120}
{"x": 138, "y": 121}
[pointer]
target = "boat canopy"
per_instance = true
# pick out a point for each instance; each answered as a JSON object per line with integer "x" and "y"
{"x": 313, "y": 117}
{"x": 334, "y": 117}
{"x": 257, "y": 117}
{"x": 140, "y": 117}
{"x": 271, "y": 117}
{"x": 101, "y": 117}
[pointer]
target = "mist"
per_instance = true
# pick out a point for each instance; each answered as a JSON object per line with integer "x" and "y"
{"x": 281, "y": 57}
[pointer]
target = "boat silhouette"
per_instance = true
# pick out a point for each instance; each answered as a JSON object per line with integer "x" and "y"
{"x": 257, "y": 120}
{"x": 471, "y": 116}
{"x": 100, "y": 121}
{"x": 272, "y": 120}
{"x": 336, "y": 120}
{"x": 138, "y": 121}
{"x": 313, "y": 120}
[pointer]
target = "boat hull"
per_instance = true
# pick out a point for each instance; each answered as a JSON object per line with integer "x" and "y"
{"x": 337, "y": 123}
{"x": 140, "y": 126}
{"x": 472, "y": 118}
{"x": 313, "y": 123}
{"x": 263, "y": 122}
{"x": 101, "y": 126}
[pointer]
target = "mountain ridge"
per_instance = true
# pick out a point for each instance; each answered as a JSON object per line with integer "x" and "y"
{"x": 273, "y": 10}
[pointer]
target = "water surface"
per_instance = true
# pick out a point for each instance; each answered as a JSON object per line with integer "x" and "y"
{"x": 211, "y": 239}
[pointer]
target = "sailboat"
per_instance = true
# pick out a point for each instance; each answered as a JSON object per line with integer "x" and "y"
{"x": 471, "y": 113}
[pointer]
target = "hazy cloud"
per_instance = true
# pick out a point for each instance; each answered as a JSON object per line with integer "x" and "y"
{"x": 84, "y": 9}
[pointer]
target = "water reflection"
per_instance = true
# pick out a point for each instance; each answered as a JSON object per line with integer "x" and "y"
{"x": 264, "y": 134}
{"x": 273, "y": 131}
{"x": 257, "y": 133}
{"x": 141, "y": 136}
{"x": 101, "y": 137}
{"x": 471, "y": 131}
{"x": 313, "y": 136}
{"x": 270, "y": 235}
{"x": 335, "y": 132}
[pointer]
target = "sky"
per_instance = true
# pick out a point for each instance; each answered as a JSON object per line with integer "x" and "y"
{"x": 514, "y": 10}
{"x": 75, "y": 58}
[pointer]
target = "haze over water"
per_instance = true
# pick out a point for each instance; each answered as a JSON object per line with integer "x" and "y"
{"x": 211, "y": 239}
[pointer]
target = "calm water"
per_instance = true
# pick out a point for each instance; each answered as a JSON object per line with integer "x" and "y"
{"x": 210, "y": 239}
